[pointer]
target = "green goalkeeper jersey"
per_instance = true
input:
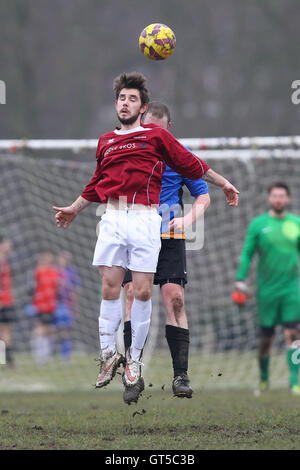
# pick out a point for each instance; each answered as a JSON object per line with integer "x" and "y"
{"x": 277, "y": 242}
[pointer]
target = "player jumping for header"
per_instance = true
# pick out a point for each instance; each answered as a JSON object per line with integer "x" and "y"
{"x": 130, "y": 163}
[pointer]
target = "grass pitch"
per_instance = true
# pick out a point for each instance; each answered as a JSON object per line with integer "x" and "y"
{"x": 56, "y": 407}
{"x": 99, "y": 420}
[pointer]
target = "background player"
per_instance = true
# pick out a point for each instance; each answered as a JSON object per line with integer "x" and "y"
{"x": 171, "y": 267}
{"x": 130, "y": 166}
{"x": 68, "y": 292}
{"x": 275, "y": 236}
{"x": 6, "y": 300}
{"x": 45, "y": 298}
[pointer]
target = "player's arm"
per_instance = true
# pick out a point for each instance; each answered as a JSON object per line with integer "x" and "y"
{"x": 65, "y": 215}
{"x": 179, "y": 158}
{"x": 230, "y": 191}
{"x": 247, "y": 253}
{"x": 179, "y": 224}
{"x": 189, "y": 165}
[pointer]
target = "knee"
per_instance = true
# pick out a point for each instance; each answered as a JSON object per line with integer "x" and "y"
{"x": 264, "y": 348}
{"x": 144, "y": 293}
{"x": 177, "y": 306}
{"x": 265, "y": 345}
{"x": 291, "y": 335}
{"x": 110, "y": 291}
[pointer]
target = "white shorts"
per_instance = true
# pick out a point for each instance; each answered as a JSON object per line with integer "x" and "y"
{"x": 129, "y": 238}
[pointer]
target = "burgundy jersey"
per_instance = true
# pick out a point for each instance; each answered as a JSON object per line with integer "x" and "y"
{"x": 6, "y": 295}
{"x": 130, "y": 163}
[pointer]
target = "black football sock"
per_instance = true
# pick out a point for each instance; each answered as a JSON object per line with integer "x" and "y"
{"x": 178, "y": 340}
{"x": 127, "y": 335}
{"x": 9, "y": 355}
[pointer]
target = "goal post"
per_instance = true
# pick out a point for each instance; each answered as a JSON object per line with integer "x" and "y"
{"x": 223, "y": 337}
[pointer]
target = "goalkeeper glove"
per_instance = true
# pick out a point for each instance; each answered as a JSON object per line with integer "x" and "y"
{"x": 241, "y": 293}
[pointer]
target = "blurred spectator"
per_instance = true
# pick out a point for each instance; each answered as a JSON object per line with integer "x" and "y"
{"x": 67, "y": 300}
{"x": 44, "y": 304}
{"x": 7, "y": 313}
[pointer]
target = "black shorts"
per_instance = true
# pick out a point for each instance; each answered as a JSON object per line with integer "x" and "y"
{"x": 45, "y": 318}
{"x": 269, "y": 331}
{"x": 171, "y": 266}
{"x": 7, "y": 315}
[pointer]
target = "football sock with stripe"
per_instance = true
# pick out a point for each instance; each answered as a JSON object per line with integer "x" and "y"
{"x": 41, "y": 348}
{"x": 178, "y": 340}
{"x": 9, "y": 355}
{"x": 140, "y": 322}
{"x": 109, "y": 321}
{"x": 65, "y": 348}
{"x": 293, "y": 359}
{"x": 264, "y": 366}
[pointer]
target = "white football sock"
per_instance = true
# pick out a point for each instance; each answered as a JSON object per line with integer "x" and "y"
{"x": 109, "y": 321}
{"x": 140, "y": 322}
{"x": 41, "y": 348}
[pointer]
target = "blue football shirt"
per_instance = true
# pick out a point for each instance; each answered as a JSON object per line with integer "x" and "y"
{"x": 171, "y": 195}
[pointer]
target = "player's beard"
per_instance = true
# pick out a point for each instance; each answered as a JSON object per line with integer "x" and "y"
{"x": 278, "y": 210}
{"x": 130, "y": 120}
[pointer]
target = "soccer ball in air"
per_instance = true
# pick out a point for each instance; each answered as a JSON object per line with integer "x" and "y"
{"x": 157, "y": 41}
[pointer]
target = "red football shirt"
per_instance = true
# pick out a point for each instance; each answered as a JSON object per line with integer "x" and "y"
{"x": 46, "y": 289}
{"x": 131, "y": 163}
{"x": 6, "y": 295}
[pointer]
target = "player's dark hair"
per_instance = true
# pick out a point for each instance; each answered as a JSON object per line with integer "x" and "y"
{"x": 280, "y": 184}
{"x": 158, "y": 110}
{"x": 132, "y": 80}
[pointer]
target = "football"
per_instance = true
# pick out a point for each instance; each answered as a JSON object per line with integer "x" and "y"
{"x": 157, "y": 41}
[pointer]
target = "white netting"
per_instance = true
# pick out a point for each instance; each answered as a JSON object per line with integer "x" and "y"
{"x": 223, "y": 337}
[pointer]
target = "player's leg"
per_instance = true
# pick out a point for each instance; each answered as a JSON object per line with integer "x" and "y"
{"x": 65, "y": 344}
{"x": 111, "y": 257}
{"x": 290, "y": 319}
{"x": 291, "y": 334}
{"x": 129, "y": 297}
{"x": 266, "y": 338}
{"x": 6, "y": 337}
{"x": 140, "y": 311}
{"x": 66, "y": 334}
{"x": 268, "y": 314}
{"x": 36, "y": 341}
{"x": 109, "y": 321}
{"x": 171, "y": 276}
{"x": 41, "y": 341}
{"x": 140, "y": 321}
{"x": 6, "y": 332}
{"x": 172, "y": 292}
{"x": 62, "y": 324}
{"x": 143, "y": 250}
{"x": 177, "y": 335}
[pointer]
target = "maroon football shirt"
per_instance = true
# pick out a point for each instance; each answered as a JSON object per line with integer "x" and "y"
{"x": 130, "y": 163}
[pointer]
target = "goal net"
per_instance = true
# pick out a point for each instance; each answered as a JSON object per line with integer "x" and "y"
{"x": 35, "y": 175}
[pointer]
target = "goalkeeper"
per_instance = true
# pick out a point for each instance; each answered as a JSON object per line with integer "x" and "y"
{"x": 275, "y": 236}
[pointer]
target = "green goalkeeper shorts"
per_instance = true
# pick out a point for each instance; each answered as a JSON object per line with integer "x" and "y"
{"x": 274, "y": 311}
